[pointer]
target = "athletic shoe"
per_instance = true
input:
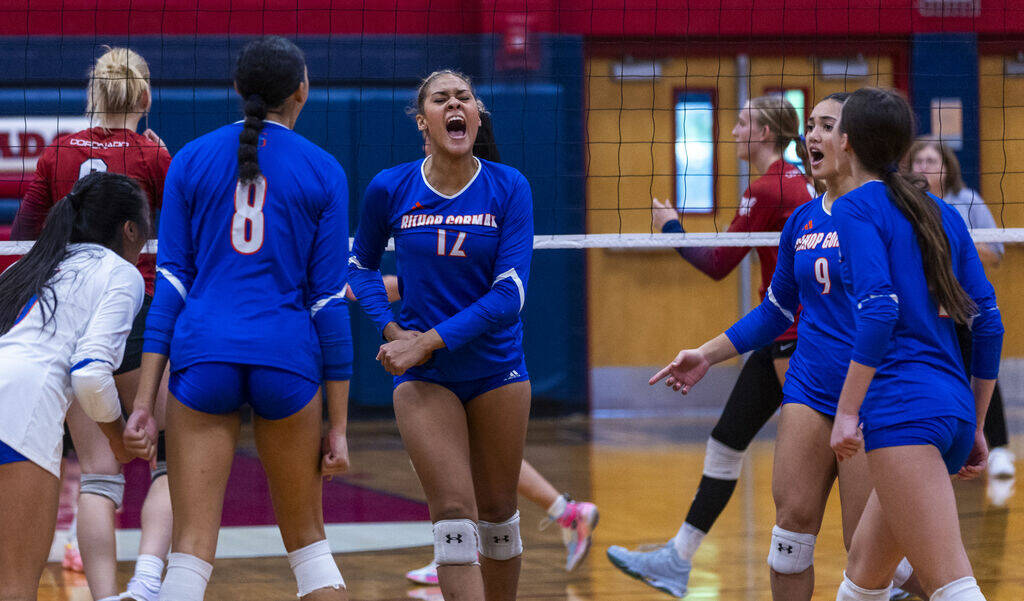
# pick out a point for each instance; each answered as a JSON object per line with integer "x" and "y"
{"x": 1000, "y": 463}
{"x": 426, "y": 594}
{"x": 425, "y": 575}
{"x": 578, "y": 523}
{"x": 138, "y": 592}
{"x": 1000, "y": 490}
{"x": 72, "y": 558}
{"x": 661, "y": 568}
{"x": 898, "y": 594}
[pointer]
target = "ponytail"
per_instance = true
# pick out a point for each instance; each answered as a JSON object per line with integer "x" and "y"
{"x": 248, "y": 157}
{"x": 94, "y": 211}
{"x": 880, "y": 128}
{"x": 269, "y": 70}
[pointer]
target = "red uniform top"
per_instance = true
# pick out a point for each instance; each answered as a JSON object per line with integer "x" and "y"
{"x": 73, "y": 156}
{"x": 765, "y": 207}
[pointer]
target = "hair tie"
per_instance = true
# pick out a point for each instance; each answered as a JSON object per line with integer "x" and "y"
{"x": 892, "y": 168}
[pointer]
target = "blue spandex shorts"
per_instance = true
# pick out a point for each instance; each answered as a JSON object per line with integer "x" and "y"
{"x": 470, "y": 389}
{"x": 220, "y": 388}
{"x": 953, "y": 437}
{"x": 825, "y": 409}
{"x": 9, "y": 455}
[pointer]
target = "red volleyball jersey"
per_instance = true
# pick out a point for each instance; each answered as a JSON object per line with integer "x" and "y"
{"x": 766, "y": 205}
{"x": 71, "y": 157}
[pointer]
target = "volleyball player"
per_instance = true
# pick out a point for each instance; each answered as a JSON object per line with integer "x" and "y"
{"x": 66, "y": 309}
{"x": 940, "y": 167}
{"x": 764, "y": 128}
{"x": 914, "y": 273}
{"x": 463, "y": 230}
{"x": 249, "y": 304}
{"x": 576, "y": 519}
{"x": 119, "y": 96}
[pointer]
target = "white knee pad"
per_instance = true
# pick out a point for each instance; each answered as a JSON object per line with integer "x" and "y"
{"x": 314, "y": 568}
{"x": 964, "y": 589}
{"x": 848, "y": 591}
{"x": 903, "y": 572}
{"x": 501, "y": 541}
{"x": 186, "y": 578}
{"x": 721, "y": 461}
{"x": 791, "y": 552}
{"x": 455, "y": 542}
{"x": 104, "y": 485}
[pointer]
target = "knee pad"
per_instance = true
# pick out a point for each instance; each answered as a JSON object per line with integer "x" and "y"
{"x": 455, "y": 542}
{"x": 903, "y": 572}
{"x": 848, "y": 591}
{"x": 722, "y": 461}
{"x": 104, "y": 485}
{"x": 791, "y": 552}
{"x": 314, "y": 568}
{"x": 501, "y": 541}
{"x": 964, "y": 589}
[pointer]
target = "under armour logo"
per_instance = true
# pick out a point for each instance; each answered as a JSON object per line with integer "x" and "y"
{"x": 449, "y": 538}
{"x": 501, "y": 539}
{"x": 786, "y": 548}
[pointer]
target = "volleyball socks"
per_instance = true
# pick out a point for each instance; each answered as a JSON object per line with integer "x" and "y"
{"x": 145, "y": 584}
{"x": 186, "y": 579}
{"x": 557, "y": 510}
{"x": 722, "y": 465}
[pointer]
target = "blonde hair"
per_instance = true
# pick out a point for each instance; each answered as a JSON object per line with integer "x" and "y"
{"x": 117, "y": 83}
{"x": 778, "y": 115}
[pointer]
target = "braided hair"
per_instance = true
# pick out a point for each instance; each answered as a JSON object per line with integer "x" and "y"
{"x": 269, "y": 70}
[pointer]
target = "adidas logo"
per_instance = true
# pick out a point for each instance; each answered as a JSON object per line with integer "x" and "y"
{"x": 809, "y": 225}
{"x": 512, "y": 375}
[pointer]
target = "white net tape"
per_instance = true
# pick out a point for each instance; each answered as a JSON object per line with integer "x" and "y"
{"x": 555, "y": 242}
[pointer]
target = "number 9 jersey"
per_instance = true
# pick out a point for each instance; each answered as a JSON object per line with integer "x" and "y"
{"x": 253, "y": 273}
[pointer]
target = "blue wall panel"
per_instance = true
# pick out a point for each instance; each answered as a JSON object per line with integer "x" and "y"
{"x": 946, "y": 66}
{"x": 538, "y": 122}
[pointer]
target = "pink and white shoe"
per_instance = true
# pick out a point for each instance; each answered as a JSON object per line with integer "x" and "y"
{"x": 425, "y": 575}
{"x": 577, "y": 523}
{"x": 72, "y": 558}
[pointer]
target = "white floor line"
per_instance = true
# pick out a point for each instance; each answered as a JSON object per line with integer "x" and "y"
{"x": 265, "y": 541}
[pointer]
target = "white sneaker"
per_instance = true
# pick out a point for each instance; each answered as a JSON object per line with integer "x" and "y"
{"x": 1000, "y": 490}
{"x": 1000, "y": 463}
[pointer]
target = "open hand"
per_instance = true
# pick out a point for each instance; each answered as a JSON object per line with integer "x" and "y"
{"x": 661, "y": 213}
{"x": 684, "y": 372}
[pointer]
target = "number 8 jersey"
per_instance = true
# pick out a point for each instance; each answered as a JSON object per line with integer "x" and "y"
{"x": 463, "y": 264}
{"x": 252, "y": 273}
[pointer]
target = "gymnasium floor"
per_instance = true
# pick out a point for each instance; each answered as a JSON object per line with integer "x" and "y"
{"x": 642, "y": 473}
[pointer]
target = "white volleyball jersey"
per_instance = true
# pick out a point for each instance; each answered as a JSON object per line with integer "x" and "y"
{"x": 98, "y": 294}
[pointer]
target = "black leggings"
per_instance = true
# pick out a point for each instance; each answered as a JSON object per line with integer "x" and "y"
{"x": 755, "y": 398}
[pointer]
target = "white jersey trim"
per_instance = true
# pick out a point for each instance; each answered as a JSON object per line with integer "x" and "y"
{"x": 320, "y": 304}
{"x": 771, "y": 297}
{"x": 173, "y": 281}
{"x": 512, "y": 275}
{"x": 423, "y": 174}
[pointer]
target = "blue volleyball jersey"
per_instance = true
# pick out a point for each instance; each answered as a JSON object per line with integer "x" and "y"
{"x": 253, "y": 274}
{"x": 807, "y": 276}
{"x": 463, "y": 264}
{"x": 900, "y": 330}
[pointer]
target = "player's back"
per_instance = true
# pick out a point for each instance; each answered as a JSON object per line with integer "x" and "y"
{"x": 250, "y": 247}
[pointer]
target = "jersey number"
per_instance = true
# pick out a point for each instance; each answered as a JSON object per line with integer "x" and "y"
{"x": 247, "y": 222}
{"x": 821, "y": 274}
{"x": 456, "y": 248}
{"x": 91, "y": 165}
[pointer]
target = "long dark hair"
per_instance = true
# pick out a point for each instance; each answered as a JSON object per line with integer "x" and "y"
{"x": 485, "y": 146}
{"x": 880, "y": 129}
{"x": 94, "y": 211}
{"x": 269, "y": 70}
{"x": 801, "y": 145}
